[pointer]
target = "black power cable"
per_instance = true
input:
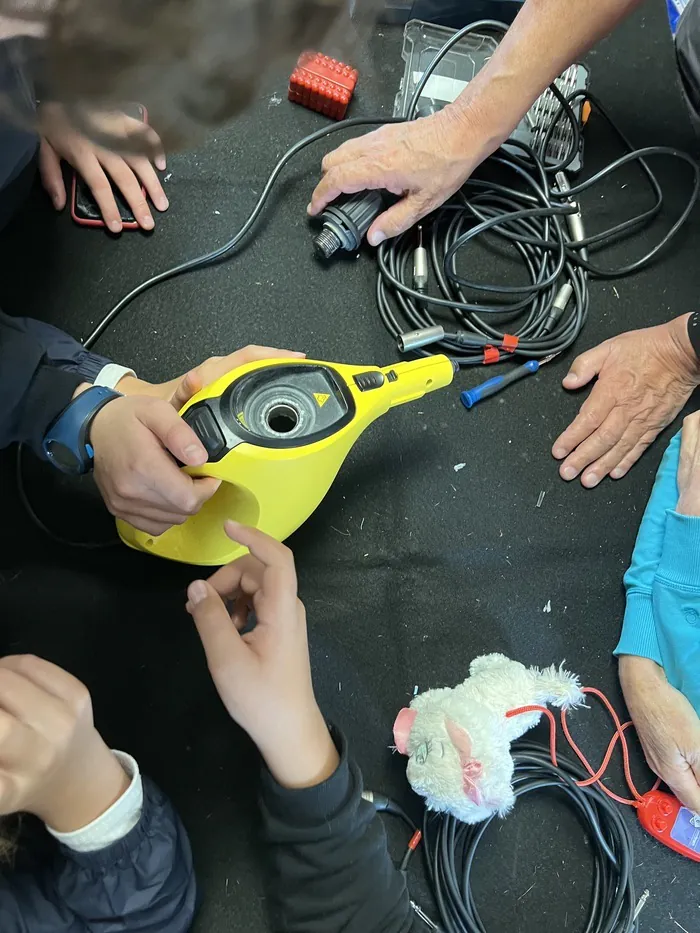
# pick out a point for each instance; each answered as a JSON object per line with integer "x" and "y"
{"x": 450, "y": 848}
{"x": 237, "y": 240}
{"x": 543, "y": 223}
{"x": 532, "y": 216}
{"x": 544, "y": 316}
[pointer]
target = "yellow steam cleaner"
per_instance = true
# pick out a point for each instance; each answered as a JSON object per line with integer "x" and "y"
{"x": 277, "y": 432}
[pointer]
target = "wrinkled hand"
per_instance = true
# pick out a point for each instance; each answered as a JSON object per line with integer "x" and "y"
{"x": 97, "y": 165}
{"x": 667, "y": 725}
{"x": 425, "y": 160}
{"x": 688, "y": 476}
{"x": 644, "y": 379}
{"x": 53, "y": 762}
{"x": 264, "y": 675}
{"x": 133, "y": 438}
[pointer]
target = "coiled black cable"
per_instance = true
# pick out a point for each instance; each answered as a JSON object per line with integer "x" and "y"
{"x": 532, "y": 221}
{"x": 451, "y": 847}
{"x": 530, "y": 214}
{"x": 530, "y": 217}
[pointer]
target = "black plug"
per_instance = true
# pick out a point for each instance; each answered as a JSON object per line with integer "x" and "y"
{"x": 347, "y": 220}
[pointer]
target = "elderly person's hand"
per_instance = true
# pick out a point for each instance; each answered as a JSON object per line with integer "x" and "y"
{"x": 425, "y": 160}
{"x": 644, "y": 378}
{"x": 667, "y": 725}
{"x": 689, "y": 467}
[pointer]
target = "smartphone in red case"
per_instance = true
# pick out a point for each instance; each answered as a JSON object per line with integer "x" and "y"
{"x": 84, "y": 207}
{"x": 664, "y": 818}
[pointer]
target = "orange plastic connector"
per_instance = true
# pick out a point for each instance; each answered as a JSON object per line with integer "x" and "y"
{"x": 510, "y": 343}
{"x": 322, "y": 84}
{"x": 491, "y": 355}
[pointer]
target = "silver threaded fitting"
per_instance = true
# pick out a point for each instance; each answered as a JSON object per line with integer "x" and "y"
{"x": 327, "y": 242}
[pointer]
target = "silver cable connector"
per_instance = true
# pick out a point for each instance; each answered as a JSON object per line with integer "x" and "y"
{"x": 573, "y": 221}
{"x": 563, "y": 183}
{"x": 640, "y": 904}
{"x": 415, "y": 339}
{"x": 420, "y": 264}
{"x": 421, "y": 914}
{"x": 561, "y": 300}
{"x": 575, "y": 224}
{"x": 563, "y": 297}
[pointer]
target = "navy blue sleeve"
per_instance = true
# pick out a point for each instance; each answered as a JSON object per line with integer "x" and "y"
{"x": 144, "y": 882}
{"x": 330, "y": 867}
{"x": 40, "y": 369}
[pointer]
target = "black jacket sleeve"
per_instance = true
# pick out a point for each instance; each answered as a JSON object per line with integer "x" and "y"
{"x": 330, "y": 865}
{"x": 143, "y": 882}
{"x": 40, "y": 369}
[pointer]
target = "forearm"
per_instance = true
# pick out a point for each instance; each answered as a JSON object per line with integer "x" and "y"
{"x": 330, "y": 865}
{"x": 40, "y": 368}
{"x": 546, "y": 37}
{"x": 143, "y": 880}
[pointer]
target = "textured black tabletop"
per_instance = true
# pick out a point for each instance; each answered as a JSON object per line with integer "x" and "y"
{"x": 409, "y": 569}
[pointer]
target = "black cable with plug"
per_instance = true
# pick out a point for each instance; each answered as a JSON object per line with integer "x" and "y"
{"x": 450, "y": 849}
{"x": 544, "y": 316}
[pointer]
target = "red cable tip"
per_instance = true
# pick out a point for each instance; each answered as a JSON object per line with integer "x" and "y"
{"x": 415, "y": 840}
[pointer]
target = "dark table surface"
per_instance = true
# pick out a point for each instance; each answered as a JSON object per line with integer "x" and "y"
{"x": 408, "y": 569}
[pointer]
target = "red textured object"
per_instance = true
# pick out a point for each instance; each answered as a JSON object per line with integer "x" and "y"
{"x": 322, "y": 84}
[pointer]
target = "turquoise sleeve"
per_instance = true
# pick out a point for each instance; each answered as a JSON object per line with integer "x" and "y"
{"x": 676, "y": 605}
{"x": 638, "y": 629}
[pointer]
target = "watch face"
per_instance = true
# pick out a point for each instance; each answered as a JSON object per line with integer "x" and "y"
{"x": 64, "y": 458}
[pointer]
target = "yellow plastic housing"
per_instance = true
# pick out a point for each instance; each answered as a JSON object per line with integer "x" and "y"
{"x": 277, "y": 489}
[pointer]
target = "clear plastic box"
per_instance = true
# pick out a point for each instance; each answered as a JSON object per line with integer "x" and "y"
{"x": 421, "y": 43}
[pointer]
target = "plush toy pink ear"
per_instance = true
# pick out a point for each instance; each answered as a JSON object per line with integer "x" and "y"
{"x": 471, "y": 768}
{"x": 402, "y": 729}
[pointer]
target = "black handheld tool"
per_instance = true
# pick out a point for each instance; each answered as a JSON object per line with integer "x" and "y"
{"x": 347, "y": 220}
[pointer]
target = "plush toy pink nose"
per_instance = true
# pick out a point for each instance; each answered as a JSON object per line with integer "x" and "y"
{"x": 402, "y": 729}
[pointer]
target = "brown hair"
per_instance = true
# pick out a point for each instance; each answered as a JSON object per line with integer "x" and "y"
{"x": 9, "y": 833}
{"x": 192, "y": 63}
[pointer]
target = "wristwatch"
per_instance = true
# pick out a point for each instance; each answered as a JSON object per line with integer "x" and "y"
{"x": 67, "y": 439}
{"x": 694, "y": 332}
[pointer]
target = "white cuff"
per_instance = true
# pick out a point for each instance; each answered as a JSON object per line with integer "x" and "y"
{"x": 114, "y": 823}
{"x": 110, "y": 375}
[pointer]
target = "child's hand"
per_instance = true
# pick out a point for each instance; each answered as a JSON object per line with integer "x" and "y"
{"x": 53, "y": 762}
{"x": 264, "y": 676}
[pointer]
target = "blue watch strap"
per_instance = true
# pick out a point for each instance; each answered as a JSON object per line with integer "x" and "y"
{"x": 66, "y": 442}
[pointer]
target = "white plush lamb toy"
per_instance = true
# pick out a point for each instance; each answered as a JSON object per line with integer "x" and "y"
{"x": 458, "y": 739}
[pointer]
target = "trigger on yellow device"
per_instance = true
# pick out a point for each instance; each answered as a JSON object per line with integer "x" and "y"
{"x": 276, "y": 433}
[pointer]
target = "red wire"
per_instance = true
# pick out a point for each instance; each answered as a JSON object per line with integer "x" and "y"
{"x": 596, "y": 776}
{"x": 552, "y": 726}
